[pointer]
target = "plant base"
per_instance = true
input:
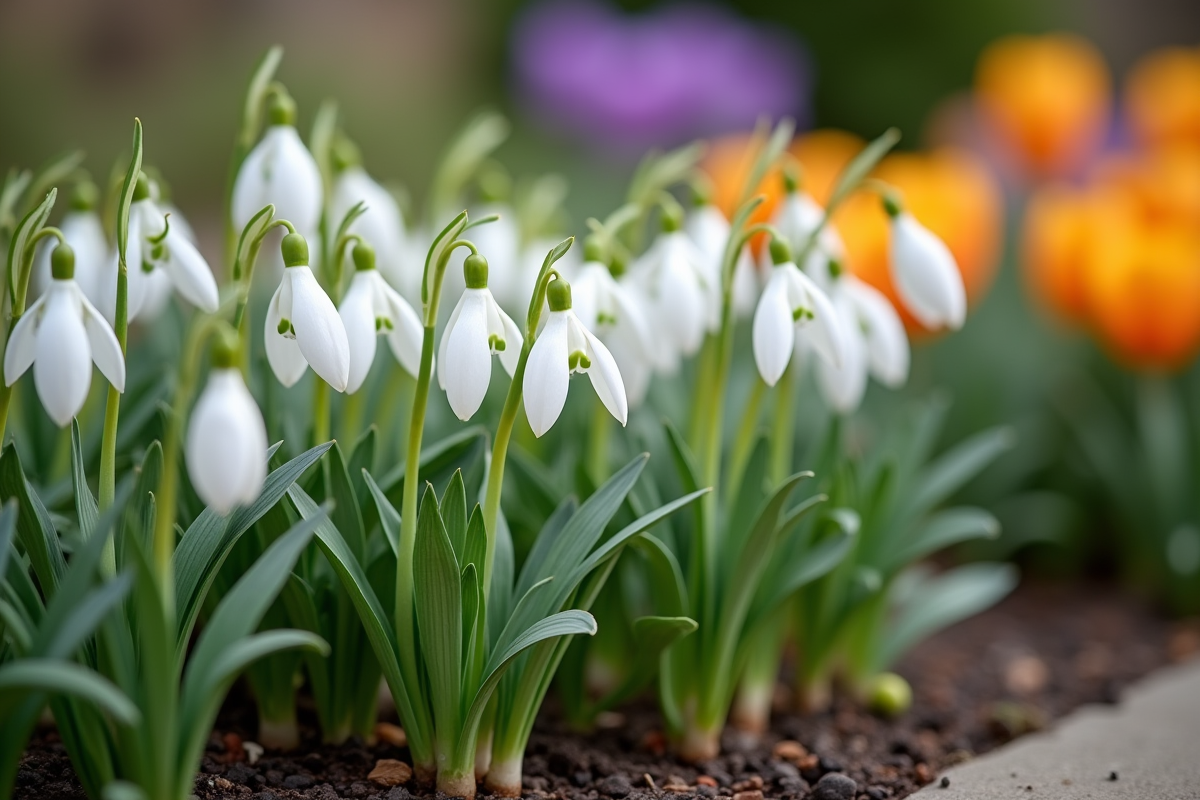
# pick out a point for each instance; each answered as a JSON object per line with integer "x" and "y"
{"x": 457, "y": 785}
{"x": 279, "y": 734}
{"x": 699, "y": 745}
{"x": 751, "y": 712}
{"x": 504, "y": 778}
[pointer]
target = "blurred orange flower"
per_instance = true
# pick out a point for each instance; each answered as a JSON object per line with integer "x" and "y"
{"x": 1162, "y": 97}
{"x": 1047, "y": 99}
{"x": 728, "y": 162}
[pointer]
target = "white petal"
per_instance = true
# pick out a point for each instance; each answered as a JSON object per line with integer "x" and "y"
{"x": 226, "y": 443}
{"x": 408, "y": 334}
{"x": 106, "y": 350}
{"x": 605, "y": 376}
{"x": 513, "y": 340}
{"x": 824, "y": 330}
{"x": 745, "y": 284}
{"x": 22, "y": 344}
{"x": 843, "y": 386}
{"x": 547, "y": 374}
{"x": 466, "y": 363}
{"x": 926, "y": 275}
{"x": 381, "y": 224}
{"x": 283, "y": 352}
{"x": 445, "y": 340}
{"x": 319, "y": 329}
{"x": 85, "y": 233}
{"x": 774, "y": 332}
{"x": 887, "y": 343}
{"x": 358, "y": 318}
{"x": 681, "y": 301}
{"x": 190, "y": 273}
{"x": 62, "y": 366}
{"x": 633, "y": 363}
{"x": 279, "y": 170}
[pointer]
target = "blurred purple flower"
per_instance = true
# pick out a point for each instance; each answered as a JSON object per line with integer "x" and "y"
{"x": 628, "y": 82}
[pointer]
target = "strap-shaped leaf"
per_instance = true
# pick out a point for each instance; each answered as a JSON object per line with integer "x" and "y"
{"x": 34, "y": 528}
{"x": 666, "y": 576}
{"x": 454, "y": 513}
{"x": 651, "y": 637}
{"x": 85, "y": 504}
{"x": 389, "y": 517}
{"x": 953, "y": 469}
{"x": 685, "y": 460}
{"x": 345, "y": 514}
{"x": 56, "y": 170}
{"x": 943, "y": 529}
{"x": 444, "y": 454}
{"x": 30, "y": 224}
{"x": 437, "y": 593}
{"x": 952, "y": 596}
{"x": 208, "y": 540}
{"x": 548, "y": 536}
{"x": 476, "y": 547}
{"x": 814, "y": 562}
{"x": 54, "y": 676}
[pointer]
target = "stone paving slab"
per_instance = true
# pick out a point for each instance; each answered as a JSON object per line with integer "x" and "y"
{"x": 1151, "y": 741}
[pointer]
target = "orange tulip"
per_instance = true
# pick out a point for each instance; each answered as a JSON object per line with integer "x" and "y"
{"x": 1162, "y": 97}
{"x": 1047, "y": 98}
{"x": 1165, "y": 183}
{"x": 1143, "y": 291}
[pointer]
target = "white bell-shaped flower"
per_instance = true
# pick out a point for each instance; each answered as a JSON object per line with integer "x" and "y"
{"x": 61, "y": 335}
{"x": 924, "y": 271}
{"x": 477, "y": 330}
{"x": 797, "y": 218}
{"x": 709, "y": 230}
{"x": 226, "y": 439}
{"x": 612, "y": 310}
{"x": 303, "y": 328}
{"x": 680, "y": 295}
{"x": 381, "y": 223}
{"x": 280, "y": 171}
{"x": 791, "y": 306}
{"x": 501, "y": 241}
{"x": 372, "y": 308}
{"x": 563, "y": 347}
{"x": 159, "y": 258}
{"x": 84, "y": 231}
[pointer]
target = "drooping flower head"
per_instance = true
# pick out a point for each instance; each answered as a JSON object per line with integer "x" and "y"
{"x": 924, "y": 271}
{"x": 61, "y": 335}
{"x": 83, "y": 229}
{"x": 477, "y": 330}
{"x": 372, "y": 308}
{"x": 612, "y": 309}
{"x": 564, "y": 347}
{"x": 303, "y": 328}
{"x": 381, "y": 223}
{"x": 792, "y": 306}
{"x": 226, "y": 439}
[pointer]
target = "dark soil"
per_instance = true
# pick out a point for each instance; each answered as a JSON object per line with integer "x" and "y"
{"x": 1042, "y": 652}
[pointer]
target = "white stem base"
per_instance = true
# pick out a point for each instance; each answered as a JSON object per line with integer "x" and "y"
{"x": 504, "y": 777}
{"x": 279, "y": 734}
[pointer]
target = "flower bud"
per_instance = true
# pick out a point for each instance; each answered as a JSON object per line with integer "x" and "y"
{"x": 890, "y": 695}
{"x": 295, "y": 250}
{"x": 85, "y": 196}
{"x": 281, "y": 108}
{"x": 62, "y": 262}
{"x": 364, "y": 257}
{"x": 781, "y": 251}
{"x": 558, "y": 295}
{"x": 475, "y": 271}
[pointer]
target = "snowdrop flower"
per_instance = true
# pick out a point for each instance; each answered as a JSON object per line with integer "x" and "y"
{"x": 280, "y": 171}
{"x": 791, "y": 305}
{"x": 501, "y": 240}
{"x": 797, "y": 217}
{"x": 611, "y": 309}
{"x": 478, "y": 329}
{"x": 926, "y": 275}
{"x": 61, "y": 335}
{"x": 159, "y": 257}
{"x": 83, "y": 230}
{"x": 226, "y": 440}
{"x": 381, "y": 223}
{"x": 303, "y": 328}
{"x": 707, "y": 227}
{"x": 679, "y": 295}
{"x": 372, "y": 308}
{"x": 563, "y": 347}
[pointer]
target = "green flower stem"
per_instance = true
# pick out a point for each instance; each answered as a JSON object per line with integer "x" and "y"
{"x": 744, "y": 440}
{"x": 495, "y": 476}
{"x": 245, "y": 274}
{"x": 108, "y": 443}
{"x": 320, "y": 412}
{"x": 599, "y": 439}
{"x": 168, "y": 484}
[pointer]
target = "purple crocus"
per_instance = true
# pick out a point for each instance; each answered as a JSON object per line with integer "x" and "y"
{"x": 629, "y": 82}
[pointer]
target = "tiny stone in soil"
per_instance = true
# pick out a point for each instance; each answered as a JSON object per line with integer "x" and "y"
{"x": 835, "y": 786}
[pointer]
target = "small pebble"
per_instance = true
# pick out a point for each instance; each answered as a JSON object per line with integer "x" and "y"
{"x": 392, "y": 734}
{"x": 298, "y": 781}
{"x": 790, "y": 751}
{"x": 390, "y": 772}
{"x": 835, "y": 786}
{"x": 752, "y": 794}
{"x": 254, "y": 752}
{"x": 945, "y": 782}
{"x": 615, "y": 786}
{"x": 923, "y": 773}
{"x": 706, "y": 791}
{"x": 706, "y": 780}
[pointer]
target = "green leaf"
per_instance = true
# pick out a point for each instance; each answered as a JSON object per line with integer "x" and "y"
{"x": 26, "y": 230}
{"x": 437, "y": 594}
{"x": 767, "y": 157}
{"x": 476, "y": 548}
{"x": 208, "y": 541}
{"x": 944, "y": 529}
{"x": 34, "y": 529}
{"x": 665, "y": 576}
{"x": 54, "y": 676}
{"x": 953, "y": 469}
{"x": 952, "y": 596}
{"x": 482, "y": 134}
{"x": 345, "y": 514}
{"x": 454, "y": 514}
{"x": 812, "y": 563}
{"x": 659, "y": 171}
{"x": 250, "y": 240}
{"x": 59, "y": 168}
{"x": 14, "y": 186}
{"x": 533, "y": 570}
{"x": 389, "y": 517}
{"x": 85, "y": 504}
{"x": 362, "y": 458}
{"x": 446, "y": 454}
{"x": 256, "y": 95}
{"x": 685, "y": 461}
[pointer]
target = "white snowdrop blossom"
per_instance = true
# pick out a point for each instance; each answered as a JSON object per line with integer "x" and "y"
{"x": 226, "y": 442}
{"x": 501, "y": 241}
{"x": 612, "y": 310}
{"x": 303, "y": 328}
{"x": 477, "y": 330}
{"x": 280, "y": 171}
{"x": 797, "y": 217}
{"x": 372, "y": 308}
{"x": 679, "y": 297}
{"x": 159, "y": 258}
{"x": 61, "y": 335}
{"x": 792, "y": 306}
{"x": 709, "y": 230}
{"x": 925, "y": 273}
{"x": 564, "y": 347}
{"x": 381, "y": 222}
{"x": 84, "y": 231}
